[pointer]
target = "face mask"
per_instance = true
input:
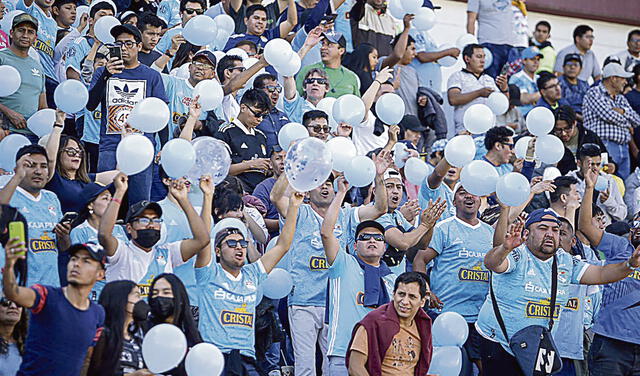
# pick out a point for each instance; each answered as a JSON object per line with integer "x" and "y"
{"x": 140, "y": 311}
{"x": 161, "y": 307}
{"x": 148, "y": 237}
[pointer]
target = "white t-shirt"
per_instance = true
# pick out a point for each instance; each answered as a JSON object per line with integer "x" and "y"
{"x": 132, "y": 263}
{"x": 365, "y": 140}
{"x": 468, "y": 82}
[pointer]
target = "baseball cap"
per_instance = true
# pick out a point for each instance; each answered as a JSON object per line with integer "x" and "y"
{"x": 91, "y": 191}
{"x": 138, "y": 208}
{"x": 540, "y": 215}
{"x": 368, "y": 224}
{"x": 572, "y": 57}
{"x": 391, "y": 173}
{"x": 335, "y": 37}
{"x": 207, "y": 55}
{"x": 412, "y": 123}
{"x": 531, "y": 52}
{"x": 615, "y": 70}
{"x": 126, "y": 29}
{"x": 439, "y": 145}
{"x": 95, "y": 251}
{"x": 22, "y": 18}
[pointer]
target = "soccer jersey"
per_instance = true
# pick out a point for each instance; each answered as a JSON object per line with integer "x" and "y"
{"x": 42, "y": 214}
{"x": 570, "y": 333}
{"x": 523, "y": 293}
{"x": 76, "y": 53}
{"x": 228, "y": 314}
{"x": 526, "y": 85}
{"x": 296, "y": 108}
{"x": 180, "y": 94}
{"x": 91, "y": 130}
{"x": 165, "y": 42}
{"x": 47, "y": 32}
{"x": 443, "y": 192}
{"x": 397, "y": 220}
{"x": 429, "y": 74}
{"x": 259, "y": 40}
{"x": 169, "y": 12}
{"x": 459, "y": 277}
{"x": 346, "y": 300}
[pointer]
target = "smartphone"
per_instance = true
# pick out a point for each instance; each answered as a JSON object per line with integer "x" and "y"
{"x": 115, "y": 51}
{"x": 69, "y": 217}
{"x": 16, "y": 230}
{"x": 329, "y": 19}
{"x": 604, "y": 159}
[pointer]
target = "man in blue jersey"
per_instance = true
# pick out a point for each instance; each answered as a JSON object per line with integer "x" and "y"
{"x": 256, "y": 21}
{"x": 41, "y": 208}
{"x": 117, "y": 88}
{"x": 499, "y": 144}
{"x": 188, "y": 10}
{"x": 522, "y": 272}
{"x": 64, "y": 324}
{"x": 307, "y": 262}
{"x": 617, "y": 337}
{"x": 439, "y": 184}
{"x": 229, "y": 288}
{"x": 142, "y": 259}
{"x": 458, "y": 278}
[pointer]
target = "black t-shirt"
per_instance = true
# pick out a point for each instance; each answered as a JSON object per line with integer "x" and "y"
{"x": 148, "y": 59}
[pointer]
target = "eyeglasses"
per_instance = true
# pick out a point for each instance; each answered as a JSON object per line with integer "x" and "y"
{"x": 376, "y": 237}
{"x": 321, "y": 81}
{"x": 257, "y": 114}
{"x": 273, "y": 88}
{"x": 125, "y": 43}
{"x": 560, "y": 131}
{"x": 232, "y": 243}
{"x": 510, "y": 146}
{"x": 634, "y": 40}
{"x": 72, "y": 152}
{"x": 552, "y": 86}
{"x": 6, "y": 303}
{"x": 241, "y": 69}
{"x": 147, "y": 221}
{"x": 191, "y": 11}
{"x": 319, "y": 128}
{"x": 199, "y": 65}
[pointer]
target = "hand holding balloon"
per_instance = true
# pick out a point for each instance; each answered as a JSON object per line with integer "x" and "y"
{"x": 343, "y": 184}
{"x": 176, "y": 41}
{"x": 406, "y": 21}
{"x": 60, "y": 116}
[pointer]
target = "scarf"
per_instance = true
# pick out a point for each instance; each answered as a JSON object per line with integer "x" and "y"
{"x": 375, "y": 293}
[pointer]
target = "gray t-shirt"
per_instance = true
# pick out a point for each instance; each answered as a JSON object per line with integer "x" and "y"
{"x": 590, "y": 66}
{"x": 495, "y": 21}
{"x": 409, "y": 82}
{"x": 25, "y": 100}
{"x": 10, "y": 362}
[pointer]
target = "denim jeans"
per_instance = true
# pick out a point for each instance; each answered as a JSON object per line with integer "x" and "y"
{"x": 620, "y": 154}
{"x": 338, "y": 366}
{"x": 500, "y": 57}
{"x": 139, "y": 184}
{"x": 610, "y": 356}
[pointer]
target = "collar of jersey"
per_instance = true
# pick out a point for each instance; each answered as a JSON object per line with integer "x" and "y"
{"x": 29, "y": 195}
{"x": 246, "y": 130}
{"x": 466, "y": 224}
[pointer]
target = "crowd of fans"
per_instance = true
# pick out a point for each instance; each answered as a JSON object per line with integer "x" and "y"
{"x": 106, "y": 256}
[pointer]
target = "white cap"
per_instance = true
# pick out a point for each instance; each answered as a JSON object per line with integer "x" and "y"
{"x": 391, "y": 173}
{"x": 615, "y": 70}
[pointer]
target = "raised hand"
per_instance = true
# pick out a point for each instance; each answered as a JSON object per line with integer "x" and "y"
{"x": 206, "y": 185}
{"x": 343, "y": 184}
{"x": 60, "y": 116}
{"x": 195, "y": 108}
{"x": 432, "y": 213}
{"x": 543, "y": 186}
{"x": 179, "y": 189}
{"x": 406, "y": 21}
{"x": 314, "y": 36}
{"x": 382, "y": 161}
{"x": 121, "y": 182}
{"x": 393, "y": 132}
{"x": 634, "y": 260}
{"x": 296, "y": 199}
{"x": 14, "y": 251}
{"x": 590, "y": 177}
{"x": 513, "y": 239}
{"x": 410, "y": 210}
{"x": 384, "y": 75}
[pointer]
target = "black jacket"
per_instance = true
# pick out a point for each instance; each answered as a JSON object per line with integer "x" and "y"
{"x": 585, "y": 136}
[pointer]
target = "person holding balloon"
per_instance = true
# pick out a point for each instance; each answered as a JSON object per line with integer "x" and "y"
{"x": 167, "y": 45}
{"x": 439, "y": 185}
{"x": 500, "y": 145}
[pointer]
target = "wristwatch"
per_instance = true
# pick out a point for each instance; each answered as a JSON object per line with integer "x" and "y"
{"x": 628, "y": 265}
{"x": 168, "y": 54}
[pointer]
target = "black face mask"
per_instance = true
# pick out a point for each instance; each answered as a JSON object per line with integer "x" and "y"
{"x": 161, "y": 307}
{"x": 147, "y": 237}
{"x": 140, "y": 311}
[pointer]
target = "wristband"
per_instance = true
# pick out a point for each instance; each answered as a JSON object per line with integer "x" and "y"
{"x": 628, "y": 265}
{"x": 56, "y": 125}
{"x": 116, "y": 200}
{"x": 169, "y": 54}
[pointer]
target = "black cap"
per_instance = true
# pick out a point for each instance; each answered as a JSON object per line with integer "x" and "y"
{"x": 221, "y": 235}
{"x": 128, "y": 29}
{"x": 91, "y": 191}
{"x": 369, "y": 224}
{"x": 335, "y": 37}
{"x": 572, "y": 57}
{"x": 412, "y": 123}
{"x": 138, "y": 208}
{"x": 618, "y": 228}
{"x": 95, "y": 251}
{"x": 207, "y": 55}
{"x": 59, "y": 3}
{"x": 22, "y": 18}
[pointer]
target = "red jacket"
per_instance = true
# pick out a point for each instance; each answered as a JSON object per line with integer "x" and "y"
{"x": 382, "y": 324}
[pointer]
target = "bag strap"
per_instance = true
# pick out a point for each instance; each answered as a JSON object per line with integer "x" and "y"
{"x": 496, "y": 310}
{"x": 554, "y": 290}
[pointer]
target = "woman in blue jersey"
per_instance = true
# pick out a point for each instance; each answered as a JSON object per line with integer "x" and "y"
{"x": 119, "y": 348}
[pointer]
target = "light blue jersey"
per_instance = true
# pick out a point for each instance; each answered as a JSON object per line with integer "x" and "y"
{"x": 523, "y": 293}
{"x": 46, "y": 42}
{"x": 346, "y": 300}
{"x": 526, "y": 85}
{"x": 443, "y": 192}
{"x": 397, "y": 220}
{"x": 180, "y": 92}
{"x": 165, "y": 43}
{"x": 169, "y": 12}
{"x": 343, "y": 24}
{"x": 296, "y": 108}
{"x": 91, "y": 128}
{"x": 306, "y": 258}
{"x": 502, "y": 169}
{"x": 429, "y": 74}
{"x": 228, "y": 314}
{"x": 459, "y": 277}
{"x": 570, "y": 333}
{"x": 76, "y": 52}
{"x": 42, "y": 214}
{"x": 84, "y": 233}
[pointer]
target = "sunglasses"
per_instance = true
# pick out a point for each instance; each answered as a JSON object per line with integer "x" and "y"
{"x": 72, "y": 152}
{"x": 6, "y": 303}
{"x": 321, "y": 81}
{"x": 126, "y": 43}
{"x": 192, "y": 11}
{"x": 199, "y": 65}
{"x": 146, "y": 221}
{"x": 241, "y": 69}
{"x": 319, "y": 128}
{"x": 376, "y": 237}
{"x": 231, "y": 243}
{"x": 510, "y": 146}
{"x": 273, "y": 88}
{"x": 257, "y": 114}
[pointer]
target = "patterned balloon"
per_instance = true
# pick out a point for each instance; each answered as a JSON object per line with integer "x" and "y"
{"x": 212, "y": 158}
{"x": 307, "y": 164}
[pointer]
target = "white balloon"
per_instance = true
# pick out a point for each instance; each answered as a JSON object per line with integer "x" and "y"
{"x": 465, "y": 39}
{"x": 278, "y": 284}
{"x": 478, "y": 118}
{"x": 449, "y": 329}
{"x": 395, "y": 9}
{"x": 211, "y": 94}
{"x": 10, "y": 80}
{"x": 513, "y": 189}
{"x": 219, "y": 55}
{"x": 460, "y": 150}
{"x": 349, "y": 109}
{"x": 488, "y": 57}
{"x": 236, "y": 51}
{"x": 7, "y": 21}
{"x": 81, "y": 10}
{"x": 149, "y": 115}
{"x": 416, "y": 170}
{"x": 425, "y": 19}
{"x": 498, "y": 103}
{"x": 521, "y": 147}
{"x": 326, "y": 105}
{"x": 224, "y": 22}
{"x": 307, "y": 164}
{"x": 200, "y": 30}
{"x": 41, "y": 123}
{"x": 549, "y": 149}
{"x": 71, "y": 96}
{"x": 291, "y": 68}
{"x": 178, "y": 157}
{"x": 43, "y": 140}
{"x": 278, "y": 52}
{"x": 400, "y": 154}
{"x": 102, "y": 28}
{"x": 204, "y": 359}
{"x": 411, "y": 6}
{"x": 540, "y": 121}
{"x": 291, "y": 132}
{"x": 479, "y": 178}
{"x": 134, "y": 154}
{"x": 390, "y": 108}
{"x": 9, "y": 147}
{"x": 360, "y": 172}
{"x": 212, "y": 158}
{"x": 163, "y": 347}
{"x": 220, "y": 41}
{"x": 550, "y": 173}
{"x": 342, "y": 152}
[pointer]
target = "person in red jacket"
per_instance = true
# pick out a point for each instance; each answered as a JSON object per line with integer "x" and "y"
{"x": 394, "y": 339}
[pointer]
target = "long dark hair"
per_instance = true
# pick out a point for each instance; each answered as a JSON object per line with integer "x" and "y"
{"x": 358, "y": 60}
{"x": 19, "y": 333}
{"x": 10, "y": 214}
{"x": 82, "y": 174}
{"x": 106, "y": 356}
{"x": 182, "y": 316}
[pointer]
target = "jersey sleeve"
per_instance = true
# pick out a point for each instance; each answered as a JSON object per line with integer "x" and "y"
{"x": 42, "y": 292}
{"x": 386, "y": 221}
{"x": 514, "y": 258}
{"x": 454, "y": 81}
{"x": 204, "y": 274}
{"x": 20, "y": 5}
{"x": 578, "y": 269}
{"x": 174, "y": 253}
{"x": 74, "y": 56}
{"x": 256, "y": 271}
{"x": 616, "y": 248}
{"x": 437, "y": 240}
{"x": 339, "y": 264}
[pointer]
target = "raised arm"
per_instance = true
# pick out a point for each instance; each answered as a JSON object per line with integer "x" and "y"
{"x": 417, "y": 237}
{"x": 437, "y": 176}
{"x": 53, "y": 143}
{"x": 382, "y": 161}
{"x": 329, "y": 241}
{"x": 203, "y": 258}
{"x": 369, "y": 96}
{"x": 585, "y": 225}
{"x": 496, "y": 259}
{"x": 108, "y": 220}
{"x": 278, "y": 195}
{"x": 10, "y": 188}
{"x": 602, "y": 274}
{"x": 23, "y": 296}
{"x": 238, "y": 81}
{"x": 194, "y": 113}
{"x": 161, "y": 62}
{"x": 189, "y": 247}
{"x": 401, "y": 45}
{"x": 291, "y": 21}
{"x": 430, "y": 57}
{"x": 271, "y": 258}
